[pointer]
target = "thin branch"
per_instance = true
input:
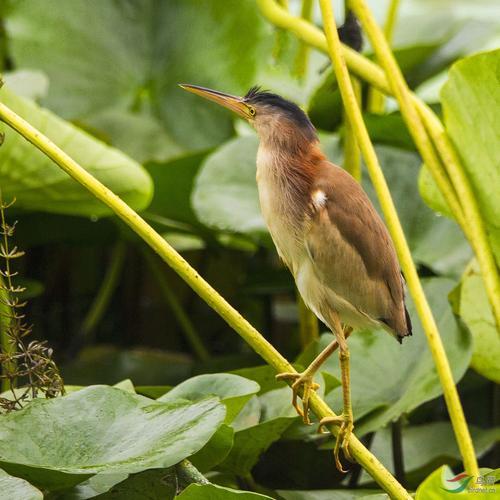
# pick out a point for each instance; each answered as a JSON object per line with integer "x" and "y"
{"x": 105, "y": 292}
{"x": 397, "y": 451}
{"x": 258, "y": 343}
{"x": 376, "y": 99}
{"x": 184, "y": 321}
{"x": 302, "y": 59}
{"x": 415, "y": 287}
{"x": 308, "y": 323}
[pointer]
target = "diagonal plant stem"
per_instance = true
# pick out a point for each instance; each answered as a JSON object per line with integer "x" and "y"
{"x": 352, "y": 156}
{"x": 105, "y": 292}
{"x": 376, "y": 99}
{"x": 424, "y": 311}
{"x": 183, "y": 319}
{"x": 258, "y": 343}
{"x": 466, "y": 212}
{"x": 302, "y": 57}
{"x": 308, "y": 323}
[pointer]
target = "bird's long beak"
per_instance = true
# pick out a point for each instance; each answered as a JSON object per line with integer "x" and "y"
{"x": 229, "y": 101}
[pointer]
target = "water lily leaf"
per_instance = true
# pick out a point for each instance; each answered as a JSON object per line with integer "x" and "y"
{"x": 250, "y": 442}
{"x": 15, "y": 488}
{"x": 102, "y": 429}
{"x": 38, "y": 184}
{"x": 388, "y": 379}
{"x": 215, "y": 492}
{"x": 215, "y": 451}
{"x": 475, "y": 309}
{"x": 173, "y": 185}
{"x": 233, "y": 390}
{"x": 136, "y": 54}
{"x": 471, "y": 99}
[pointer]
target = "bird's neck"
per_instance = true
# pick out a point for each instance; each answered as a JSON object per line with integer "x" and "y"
{"x": 287, "y": 176}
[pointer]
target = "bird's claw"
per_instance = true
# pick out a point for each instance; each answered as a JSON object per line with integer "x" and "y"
{"x": 346, "y": 426}
{"x": 308, "y": 385}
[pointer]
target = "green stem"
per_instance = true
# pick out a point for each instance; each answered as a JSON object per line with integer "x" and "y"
{"x": 5, "y": 342}
{"x": 302, "y": 59}
{"x": 424, "y": 311}
{"x": 188, "y": 474}
{"x": 376, "y": 99}
{"x": 469, "y": 218}
{"x": 182, "y": 318}
{"x": 308, "y": 323}
{"x": 352, "y": 156}
{"x": 258, "y": 343}
{"x": 106, "y": 290}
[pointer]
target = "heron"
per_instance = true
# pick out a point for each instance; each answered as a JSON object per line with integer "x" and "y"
{"x": 328, "y": 234}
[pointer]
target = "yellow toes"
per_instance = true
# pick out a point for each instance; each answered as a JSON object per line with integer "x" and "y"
{"x": 306, "y": 383}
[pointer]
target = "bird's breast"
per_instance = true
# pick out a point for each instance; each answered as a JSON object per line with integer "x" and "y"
{"x": 279, "y": 212}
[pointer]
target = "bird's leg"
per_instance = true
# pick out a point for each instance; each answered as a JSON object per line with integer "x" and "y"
{"x": 345, "y": 420}
{"x": 305, "y": 379}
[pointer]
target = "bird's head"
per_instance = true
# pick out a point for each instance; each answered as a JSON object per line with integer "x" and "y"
{"x": 273, "y": 117}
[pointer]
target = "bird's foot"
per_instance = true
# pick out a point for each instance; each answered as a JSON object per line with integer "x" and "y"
{"x": 304, "y": 381}
{"x": 346, "y": 426}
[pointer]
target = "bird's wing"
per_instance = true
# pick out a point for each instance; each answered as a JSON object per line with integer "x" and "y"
{"x": 351, "y": 249}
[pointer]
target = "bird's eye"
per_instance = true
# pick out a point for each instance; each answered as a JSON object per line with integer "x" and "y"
{"x": 251, "y": 110}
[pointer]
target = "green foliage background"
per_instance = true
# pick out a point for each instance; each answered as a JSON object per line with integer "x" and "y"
{"x": 100, "y": 79}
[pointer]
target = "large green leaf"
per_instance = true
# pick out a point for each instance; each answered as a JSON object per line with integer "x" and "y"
{"x": 233, "y": 390}
{"x": 38, "y": 184}
{"x": 15, "y": 488}
{"x": 388, "y": 379}
{"x": 135, "y": 55}
{"x": 474, "y": 308}
{"x": 173, "y": 185}
{"x": 102, "y": 429}
{"x": 214, "y": 492}
{"x": 471, "y": 104}
{"x": 262, "y": 422}
{"x": 471, "y": 101}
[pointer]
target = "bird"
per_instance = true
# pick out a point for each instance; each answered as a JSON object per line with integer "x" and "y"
{"x": 328, "y": 234}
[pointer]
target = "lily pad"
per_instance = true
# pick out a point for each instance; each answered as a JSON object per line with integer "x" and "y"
{"x": 233, "y": 390}
{"x": 134, "y": 57}
{"x": 15, "y": 488}
{"x": 471, "y": 99}
{"x": 38, "y": 184}
{"x": 102, "y": 429}
{"x": 474, "y": 308}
